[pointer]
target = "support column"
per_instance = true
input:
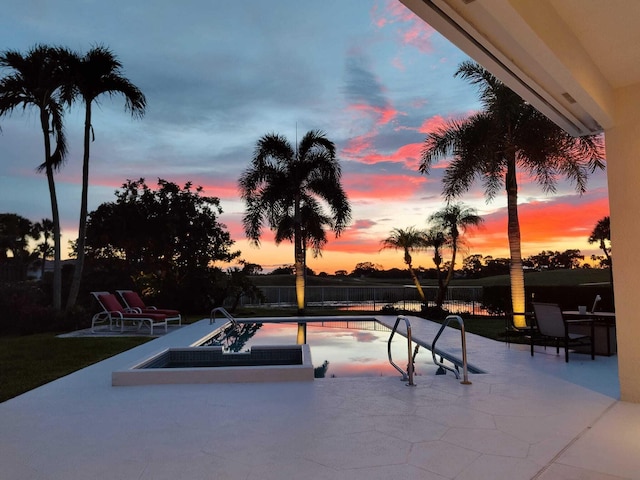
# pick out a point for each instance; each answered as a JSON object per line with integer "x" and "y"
{"x": 623, "y": 171}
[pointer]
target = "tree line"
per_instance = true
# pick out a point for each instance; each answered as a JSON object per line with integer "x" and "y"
{"x": 473, "y": 266}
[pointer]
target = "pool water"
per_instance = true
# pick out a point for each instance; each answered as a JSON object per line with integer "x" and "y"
{"x": 337, "y": 350}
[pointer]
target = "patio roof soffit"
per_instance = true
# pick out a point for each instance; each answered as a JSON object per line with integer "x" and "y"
{"x": 536, "y": 50}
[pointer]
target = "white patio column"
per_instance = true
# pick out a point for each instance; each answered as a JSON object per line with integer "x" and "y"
{"x": 623, "y": 171}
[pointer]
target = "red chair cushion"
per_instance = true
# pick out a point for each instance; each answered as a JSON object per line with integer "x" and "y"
{"x": 110, "y": 303}
{"x": 133, "y": 300}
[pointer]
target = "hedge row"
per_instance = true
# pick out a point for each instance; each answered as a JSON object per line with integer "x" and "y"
{"x": 497, "y": 299}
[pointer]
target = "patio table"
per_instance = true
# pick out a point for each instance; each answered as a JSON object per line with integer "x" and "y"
{"x": 604, "y": 329}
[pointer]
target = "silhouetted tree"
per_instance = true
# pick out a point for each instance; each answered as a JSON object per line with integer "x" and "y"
{"x": 453, "y": 220}
{"x": 166, "y": 239}
{"x": 408, "y": 240}
{"x": 288, "y": 189}
{"x": 365, "y": 269}
{"x": 43, "y": 228}
{"x": 97, "y": 73}
{"x": 37, "y": 80}
{"x": 601, "y": 235}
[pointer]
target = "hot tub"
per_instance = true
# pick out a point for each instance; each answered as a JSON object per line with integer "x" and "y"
{"x": 266, "y": 363}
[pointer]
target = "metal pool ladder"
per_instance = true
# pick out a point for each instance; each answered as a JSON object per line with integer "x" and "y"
{"x": 440, "y": 363}
{"x": 408, "y": 375}
{"x": 212, "y": 317}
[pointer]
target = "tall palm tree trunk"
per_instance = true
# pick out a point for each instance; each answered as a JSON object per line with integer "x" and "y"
{"x": 452, "y": 266}
{"x": 45, "y": 249}
{"x": 82, "y": 224}
{"x": 603, "y": 247}
{"x": 299, "y": 255}
{"x": 300, "y": 267}
{"x": 55, "y": 215}
{"x": 44, "y": 260}
{"x": 299, "y": 241}
{"x": 513, "y": 230}
{"x": 440, "y": 296}
{"x": 416, "y": 281}
{"x": 443, "y": 285}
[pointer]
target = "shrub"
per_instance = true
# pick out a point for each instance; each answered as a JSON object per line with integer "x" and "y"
{"x": 24, "y": 309}
{"x": 497, "y": 298}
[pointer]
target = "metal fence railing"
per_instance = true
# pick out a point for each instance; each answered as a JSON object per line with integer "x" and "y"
{"x": 373, "y": 298}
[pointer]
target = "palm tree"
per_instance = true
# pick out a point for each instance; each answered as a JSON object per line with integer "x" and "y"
{"x": 408, "y": 240}
{"x": 45, "y": 228}
{"x": 601, "y": 234}
{"x": 454, "y": 219}
{"x": 493, "y": 144}
{"x": 288, "y": 190}
{"x": 36, "y": 80}
{"x": 93, "y": 75}
{"x": 15, "y": 231}
{"x": 436, "y": 239}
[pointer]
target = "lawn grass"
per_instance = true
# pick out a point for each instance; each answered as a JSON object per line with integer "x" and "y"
{"x": 26, "y": 362}
{"x": 550, "y": 278}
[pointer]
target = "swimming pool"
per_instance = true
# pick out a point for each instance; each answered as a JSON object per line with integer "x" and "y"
{"x": 338, "y": 349}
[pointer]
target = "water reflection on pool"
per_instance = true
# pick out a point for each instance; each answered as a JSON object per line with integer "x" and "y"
{"x": 357, "y": 349}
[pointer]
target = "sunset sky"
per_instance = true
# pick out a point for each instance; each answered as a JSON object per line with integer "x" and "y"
{"x": 220, "y": 74}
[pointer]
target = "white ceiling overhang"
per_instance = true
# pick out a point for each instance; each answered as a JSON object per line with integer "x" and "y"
{"x": 563, "y": 56}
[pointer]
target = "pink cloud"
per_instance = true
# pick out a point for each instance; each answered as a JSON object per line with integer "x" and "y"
{"x": 380, "y": 115}
{"x": 433, "y": 124}
{"x": 361, "y": 150}
{"x": 411, "y": 30}
{"x": 383, "y": 186}
{"x": 358, "y": 146}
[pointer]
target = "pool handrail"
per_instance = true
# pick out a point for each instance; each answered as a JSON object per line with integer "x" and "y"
{"x": 441, "y": 364}
{"x": 212, "y": 316}
{"x": 408, "y": 375}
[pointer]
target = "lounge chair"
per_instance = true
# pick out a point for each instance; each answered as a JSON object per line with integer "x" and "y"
{"x": 133, "y": 301}
{"x": 116, "y": 315}
{"x": 552, "y": 324}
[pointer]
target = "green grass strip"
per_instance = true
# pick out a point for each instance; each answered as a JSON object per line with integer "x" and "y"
{"x": 27, "y": 362}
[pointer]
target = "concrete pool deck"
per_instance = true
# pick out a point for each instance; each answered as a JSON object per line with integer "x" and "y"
{"x": 527, "y": 418}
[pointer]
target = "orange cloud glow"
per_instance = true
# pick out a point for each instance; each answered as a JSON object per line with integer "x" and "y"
{"x": 543, "y": 226}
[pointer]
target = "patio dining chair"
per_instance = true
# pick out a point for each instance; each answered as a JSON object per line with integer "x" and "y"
{"x": 133, "y": 301}
{"x": 528, "y": 331}
{"x": 552, "y": 325}
{"x": 116, "y": 315}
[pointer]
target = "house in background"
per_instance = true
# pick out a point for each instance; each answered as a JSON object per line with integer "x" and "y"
{"x": 578, "y": 62}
